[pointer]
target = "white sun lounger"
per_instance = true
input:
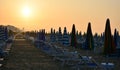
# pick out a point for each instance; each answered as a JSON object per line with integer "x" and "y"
{"x": 1, "y": 65}
{"x": 107, "y": 66}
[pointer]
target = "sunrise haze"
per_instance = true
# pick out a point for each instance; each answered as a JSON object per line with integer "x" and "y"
{"x": 39, "y": 14}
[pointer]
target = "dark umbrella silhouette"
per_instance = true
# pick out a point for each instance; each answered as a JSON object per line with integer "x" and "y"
{"x": 6, "y": 33}
{"x": 109, "y": 46}
{"x": 53, "y": 35}
{"x": 115, "y": 37}
{"x": 65, "y": 37}
{"x": 60, "y": 35}
{"x": 73, "y": 37}
{"x": 89, "y": 42}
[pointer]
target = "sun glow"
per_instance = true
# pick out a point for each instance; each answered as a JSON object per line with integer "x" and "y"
{"x": 26, "y": 11}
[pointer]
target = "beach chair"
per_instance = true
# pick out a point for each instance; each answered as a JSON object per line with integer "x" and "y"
{"x": 66, "y": 57}
{"x": 86, "y": 62}
{"x": 10, "y": 40}
{"x": 1, "y": 62}
{"x": 7, "y": 48}
{"x": 1, "y": 65}
{"x": 44, "y": 47}
{"x": 47, "y": 49}
{"x": 107, "y": 66}
{"x": 38, "y": 43}
{"x": 90, "y": 62}
{"x": 55, "y": 51}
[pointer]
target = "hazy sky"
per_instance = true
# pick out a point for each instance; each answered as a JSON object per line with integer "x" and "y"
{"x": 55, "y": 13}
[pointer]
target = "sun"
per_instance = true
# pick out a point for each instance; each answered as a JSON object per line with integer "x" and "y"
{"x": 26, "y": 11}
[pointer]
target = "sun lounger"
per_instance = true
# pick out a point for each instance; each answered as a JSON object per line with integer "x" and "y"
{"x": 1, "y": 61}
{"x": 68, "y": 57}
{"x": 1, "y": 65}
{"x": 86, "y": 62}
{"x": 107, "y": 66}
{"x": 59, "y": 53}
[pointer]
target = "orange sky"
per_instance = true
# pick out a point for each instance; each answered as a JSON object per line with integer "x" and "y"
{"x": 55, "y": 13}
